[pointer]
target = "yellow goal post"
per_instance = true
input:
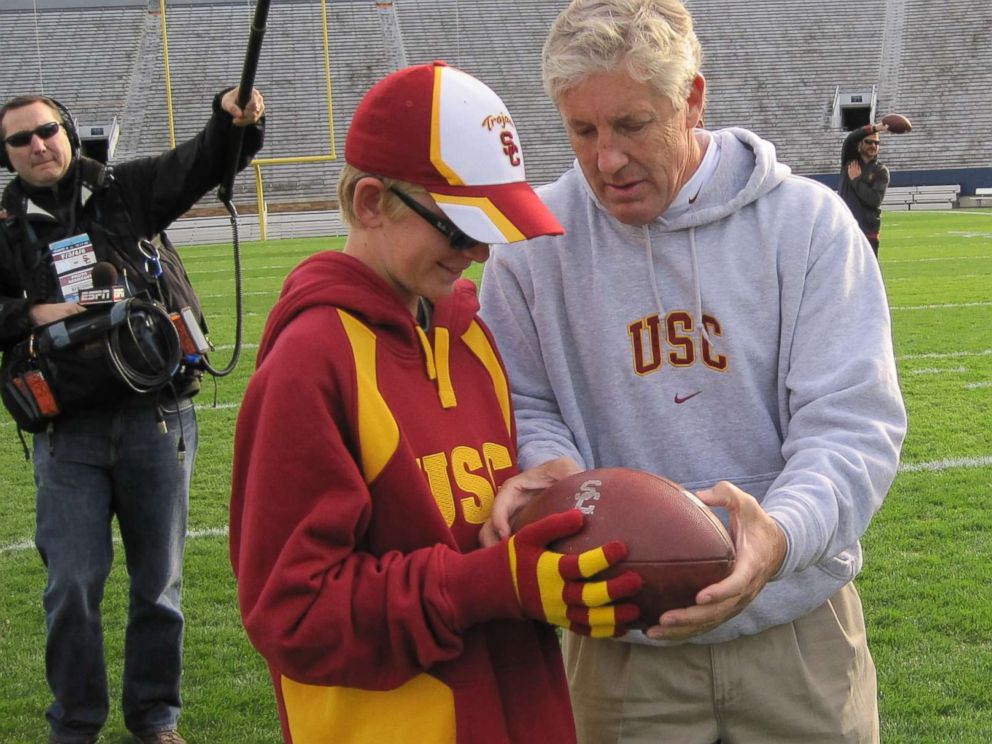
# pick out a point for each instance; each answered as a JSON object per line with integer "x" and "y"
{"x": 258, "y": 163}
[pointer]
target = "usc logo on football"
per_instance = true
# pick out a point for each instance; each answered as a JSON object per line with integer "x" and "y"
{"x": 588, "y": 491}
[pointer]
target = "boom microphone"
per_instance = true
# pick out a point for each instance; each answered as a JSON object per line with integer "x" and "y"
{"x": 236, "y": 138}
{"x": 225, "y": 192}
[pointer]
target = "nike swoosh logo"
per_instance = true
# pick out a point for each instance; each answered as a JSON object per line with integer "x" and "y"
{"x": 679, "y": 400}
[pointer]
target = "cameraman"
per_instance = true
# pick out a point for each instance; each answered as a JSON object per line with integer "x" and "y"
{"x": 128, "y": 455}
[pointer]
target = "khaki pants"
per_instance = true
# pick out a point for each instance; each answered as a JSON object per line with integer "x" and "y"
{"x": 810, "y": 681}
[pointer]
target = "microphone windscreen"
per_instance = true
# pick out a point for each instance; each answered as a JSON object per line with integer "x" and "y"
{"x": 104, "y": 274}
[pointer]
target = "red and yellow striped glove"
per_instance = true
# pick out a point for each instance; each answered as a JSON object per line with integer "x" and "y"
{"x": 556, "y": 587}
{"x": 521, "y": 577}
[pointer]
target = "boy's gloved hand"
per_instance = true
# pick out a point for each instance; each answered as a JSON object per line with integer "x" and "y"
{"x": 555, "y": 587}
{"x": 552, "y": 587}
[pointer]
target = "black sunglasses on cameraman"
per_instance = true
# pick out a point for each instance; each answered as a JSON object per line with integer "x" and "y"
{"x": 22, "y": 139}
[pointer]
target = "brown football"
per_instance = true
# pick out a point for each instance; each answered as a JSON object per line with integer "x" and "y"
{"x": 898, "y": 124}
{"x": 675, "y": 542}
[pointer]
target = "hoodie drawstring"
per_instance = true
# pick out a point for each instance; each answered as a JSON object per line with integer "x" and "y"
{"x": 649, "y": 255}
{"x": 696, "y": 283}
{"x": 438, "y": 367}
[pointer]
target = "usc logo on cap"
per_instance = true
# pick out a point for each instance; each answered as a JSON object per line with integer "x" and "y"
{"x": 510, "y": 147}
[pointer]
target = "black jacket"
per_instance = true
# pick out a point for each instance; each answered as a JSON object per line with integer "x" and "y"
{"x": 117, "y": 207}
{"x": 864, "y": 195}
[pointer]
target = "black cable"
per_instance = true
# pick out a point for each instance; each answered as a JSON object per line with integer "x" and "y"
{"x": 150, "y": 333}
{"x": 238, "y": 301}
{"x": 181, "y": 446}
{"x": 226, "y": 190}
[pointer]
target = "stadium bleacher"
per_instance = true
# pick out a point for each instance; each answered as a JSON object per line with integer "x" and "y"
{"x": 506, "y": 55}
{"x": 916, "y": 198}
{"x": 771, "y": 65}
{"x": 53, "y": 55}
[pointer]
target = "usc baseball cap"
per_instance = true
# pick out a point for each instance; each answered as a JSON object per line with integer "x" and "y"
{"x": 439, "y": 127}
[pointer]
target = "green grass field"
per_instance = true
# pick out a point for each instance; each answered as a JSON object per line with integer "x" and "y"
{"x": 926, "y": 584}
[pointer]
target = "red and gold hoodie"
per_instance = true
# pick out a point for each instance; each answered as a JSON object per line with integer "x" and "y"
{"x": 367, "y": 456}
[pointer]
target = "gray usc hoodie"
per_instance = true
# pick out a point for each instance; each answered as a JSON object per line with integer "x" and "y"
{"x": 745, "y": 338}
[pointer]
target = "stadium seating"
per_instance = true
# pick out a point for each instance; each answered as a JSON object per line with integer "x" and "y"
{"x": 501, "y": 44}
{"x": 918, "y": 198}
{"x": 772, "y": 66}
{"x": 57, "y": 50}
{"x": 982, "y": 198}
{"x": 944, "y": 85}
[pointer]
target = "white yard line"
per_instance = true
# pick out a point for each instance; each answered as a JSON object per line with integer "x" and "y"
{"x": 931, "y": 259}
{"x": 228, "y": 347}
{"x": 202, "y": 406}
{"x": 243, "y": 294}
{"x": 943, "y": 355}
{"x": 21, "y": 545}
{"x": 956, "y": 463}
{"x": 934, "y": 466}
{"x": 955, "y": 278}
{"x": 282, "y": 267}
{"x": 942, "y": 306}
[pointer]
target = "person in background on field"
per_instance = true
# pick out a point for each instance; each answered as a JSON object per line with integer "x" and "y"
{"x": 864, "y": 179}
{"x": 130, "y": 455}
{"x": 710, "y": 317}
{"x": 373, "y": 437}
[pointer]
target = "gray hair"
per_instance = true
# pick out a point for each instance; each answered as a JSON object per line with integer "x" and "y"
{"x": 653, "y": 39}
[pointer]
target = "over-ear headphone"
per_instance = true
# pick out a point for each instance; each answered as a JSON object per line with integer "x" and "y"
{"x": 68, "y": 123}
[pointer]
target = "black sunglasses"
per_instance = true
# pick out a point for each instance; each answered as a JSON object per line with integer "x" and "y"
{"x": 456, "y": 238}
{"x": 22, "y": 139}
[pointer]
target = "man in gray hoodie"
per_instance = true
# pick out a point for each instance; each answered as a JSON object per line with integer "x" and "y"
{"x": 710, "y": 317}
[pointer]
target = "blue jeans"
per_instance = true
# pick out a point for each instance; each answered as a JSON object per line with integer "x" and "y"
{"x": 89, "y": 468}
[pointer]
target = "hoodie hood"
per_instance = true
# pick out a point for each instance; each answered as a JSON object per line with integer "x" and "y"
{"x": 746, "y": 170}
{"x": 342, "y": 281}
